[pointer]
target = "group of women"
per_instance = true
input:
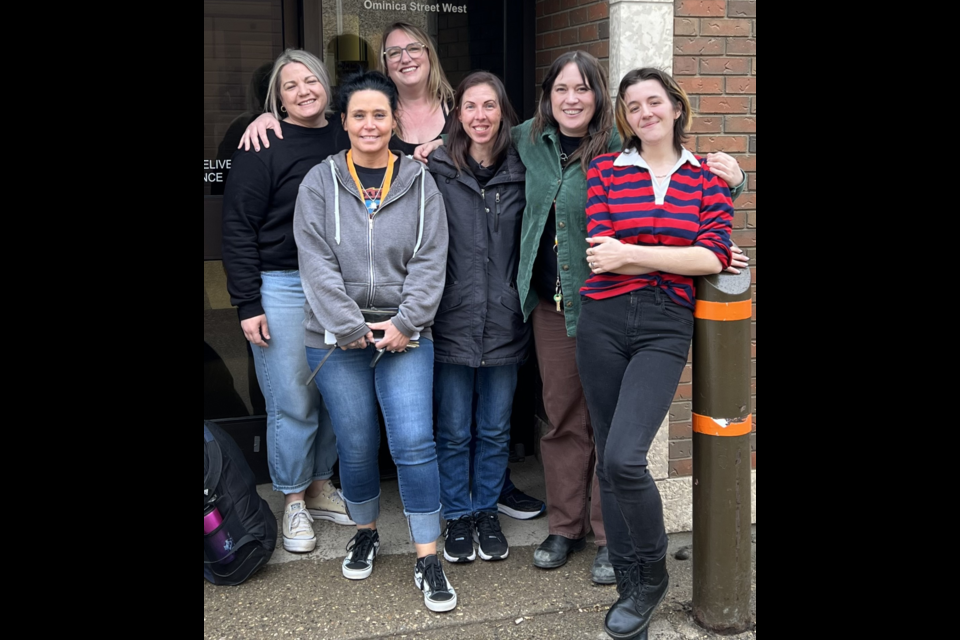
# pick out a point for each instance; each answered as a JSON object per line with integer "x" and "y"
{"x": 420, "y": 286}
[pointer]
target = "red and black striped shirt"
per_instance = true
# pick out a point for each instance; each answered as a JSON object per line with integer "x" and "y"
{"x": 623, "y": 202}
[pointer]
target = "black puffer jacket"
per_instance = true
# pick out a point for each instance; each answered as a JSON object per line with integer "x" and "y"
{"x": 480, "y": 320}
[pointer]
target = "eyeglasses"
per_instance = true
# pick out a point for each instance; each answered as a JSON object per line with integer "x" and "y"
{"x": 414, "y": 50}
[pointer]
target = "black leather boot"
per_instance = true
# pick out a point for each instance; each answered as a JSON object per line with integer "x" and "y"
{"x": 642, "y": 588}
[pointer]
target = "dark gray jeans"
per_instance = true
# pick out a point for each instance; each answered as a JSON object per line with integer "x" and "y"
{"x": 631, "y": 351}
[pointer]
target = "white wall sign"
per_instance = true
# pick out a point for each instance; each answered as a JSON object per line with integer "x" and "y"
{"x": 213, "y": 170}
{"x": 415, "y": 7}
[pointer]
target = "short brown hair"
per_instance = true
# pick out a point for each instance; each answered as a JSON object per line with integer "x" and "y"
{"x": 678, "y": 98}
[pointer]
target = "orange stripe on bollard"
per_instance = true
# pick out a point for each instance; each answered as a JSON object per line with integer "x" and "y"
{"x": 715, "y": 427}
{"x": 724, "y": 311}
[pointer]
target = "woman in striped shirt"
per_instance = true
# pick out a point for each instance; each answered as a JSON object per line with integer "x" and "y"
{"x": 657, "y": 218}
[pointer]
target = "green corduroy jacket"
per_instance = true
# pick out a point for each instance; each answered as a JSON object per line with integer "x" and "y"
{"x": 547, "y": 182}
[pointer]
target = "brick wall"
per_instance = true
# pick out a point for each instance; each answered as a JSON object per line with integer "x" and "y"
{"x": 715, "y": 61}
{"x": 567, "y": 25}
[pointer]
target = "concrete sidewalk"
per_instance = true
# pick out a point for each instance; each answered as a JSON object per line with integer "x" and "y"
{"x": 307, "y": 597}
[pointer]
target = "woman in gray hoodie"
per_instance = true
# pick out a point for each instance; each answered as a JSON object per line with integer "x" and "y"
{"x": 371, "y": 230}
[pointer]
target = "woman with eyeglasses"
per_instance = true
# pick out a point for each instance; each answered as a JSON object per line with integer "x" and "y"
{"x": 408, "y": 56}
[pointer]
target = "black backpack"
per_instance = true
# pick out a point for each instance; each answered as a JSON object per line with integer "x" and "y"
{"x": 239, "y": 529}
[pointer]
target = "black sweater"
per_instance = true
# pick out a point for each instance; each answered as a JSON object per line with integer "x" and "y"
{"x": 258, "y": 205}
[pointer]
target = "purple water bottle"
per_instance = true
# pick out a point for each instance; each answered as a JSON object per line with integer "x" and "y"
{"x": 219, "y": 546}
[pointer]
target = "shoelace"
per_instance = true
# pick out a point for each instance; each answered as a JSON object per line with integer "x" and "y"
{"x": 336, "y": 498}
{"x": 434, "y": 576}
{"x": 626, "y": 582}
{"x": 361, "y": 545}
{"x": 489, "y": 527}
{"x": 462, "y": 528}
{"x": 300, "y": 522}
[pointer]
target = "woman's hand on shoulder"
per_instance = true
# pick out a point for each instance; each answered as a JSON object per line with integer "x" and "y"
{"x": 422, "y": 153}
{"x": 257, "y": 131}
{"x": 256, "y": 330}
{"x": 726, "y": 168}
{"x": 392, "y": 341}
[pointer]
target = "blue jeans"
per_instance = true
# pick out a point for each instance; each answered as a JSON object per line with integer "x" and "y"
{"x": 301, "y": 445}
{"x": 464, "y": 396}
{"x": 403, "y": 384}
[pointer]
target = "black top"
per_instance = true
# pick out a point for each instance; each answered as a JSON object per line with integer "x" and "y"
{"x": 481, "y": 173}
{"x": 407, "y": 148}
{"x": 546, "y": 268}
{"x": 258, "y": 205}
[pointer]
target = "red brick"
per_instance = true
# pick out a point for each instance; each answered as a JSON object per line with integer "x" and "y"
{"x": 741, "y": 47}
{"x": 686, "y": 27}
{"x": 561, "y": 21}
{"x": 681, "y": 412}
{"x": 569, "y": 4}
{"x": 753, "y": 351}
{"x": 747, "y": 201}
{"x": 682, "y": 468}
{"x": 550, "y": 40}
{"x": 754, "y": 66}
{"x": 699, "y": 85}
{"x": 742, "y": 28}
{"x": 687, "y": 375}
{"x": 739, "y": 219}
{"x": 681, "y": 450}
{"x": 598, "y": 49}
{"x": 741, "y": 85}
{"x": 753, "y": 106}
{"x": 681, "y": 430}
{"x": 725, "y": 104}
{"x": 544, "y": 24}
{"x": 753, "y": 460}
{"x": 746, "y": 238}
{"x": 551, "y": 6}
{"x": 706, "y": 124}
{"x": 590, "y": 32}
{"x": 545, "y": 58}
{"x": 727, "y": 144}
{"x": 598, "y": 11}
{"x": 578, "y": 16}
{"x": 698, "y": 46}
{"x": 569, "y": 36}
{"x": 724, "y": 66}
{"x": 742, "y": 9}
{"x": 704, "y": 8}
{"x": 752, "y": 182}
{"x": 684, "y": 392}
{"x": 740, "y": 124}
{"x": 747, "y": 163}
{"x": 753, "y": 280}
{"x": 541, "y": 8}
{"x": 684, "y": 66}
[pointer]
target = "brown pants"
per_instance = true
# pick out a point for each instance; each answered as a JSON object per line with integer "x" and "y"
{"x": 569, "y": 452}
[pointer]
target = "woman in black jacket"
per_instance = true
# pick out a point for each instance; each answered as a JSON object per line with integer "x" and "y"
{"x": 480, "y": 337}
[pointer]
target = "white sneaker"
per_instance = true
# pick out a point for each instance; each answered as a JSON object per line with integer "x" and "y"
{"x": 438, "y": 594}
{"x": 329, "y": 505}
{"x": 298, "y": 535}
{"x": 361, "y": 552}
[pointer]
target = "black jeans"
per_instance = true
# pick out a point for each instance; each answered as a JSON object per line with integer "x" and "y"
{"x": 631, "y": 351}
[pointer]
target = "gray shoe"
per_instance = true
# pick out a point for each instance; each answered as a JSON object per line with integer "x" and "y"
{"x": 603, "y": 572}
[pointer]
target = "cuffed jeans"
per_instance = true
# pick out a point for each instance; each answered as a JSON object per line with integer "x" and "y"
{"x": 569, "y": 454}
{"x": 403, "y": 384}
{"x": 463, "y": 395}
{"x": 632, "y": 350}
{"x": 301, "y": 444}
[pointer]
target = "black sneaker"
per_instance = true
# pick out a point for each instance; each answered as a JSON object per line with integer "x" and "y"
{"x": 429, "y": 577}
{"x": 361, "y": 552}
{"x": 493, "y": 544}
{"x": 458, "y": 545}
{"x": 518, "y": 505}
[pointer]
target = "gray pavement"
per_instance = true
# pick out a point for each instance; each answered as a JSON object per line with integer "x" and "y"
{"x": 307, "y": 597}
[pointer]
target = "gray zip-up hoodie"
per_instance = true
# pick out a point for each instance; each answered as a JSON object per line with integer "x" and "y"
{"x": 350, "y": 260}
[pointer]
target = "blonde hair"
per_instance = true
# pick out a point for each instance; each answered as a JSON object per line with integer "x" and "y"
{"x": 311, "y": 62}
{"x": 437, "y": 84}
{"x": 677, "y": 96}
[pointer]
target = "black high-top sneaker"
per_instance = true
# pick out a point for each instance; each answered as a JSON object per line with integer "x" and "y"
{"x": 642, "y": 588}
{"x": 438, "y": 593}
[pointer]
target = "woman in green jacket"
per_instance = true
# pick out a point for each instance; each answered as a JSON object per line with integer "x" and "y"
{"x": 573, "y": 124}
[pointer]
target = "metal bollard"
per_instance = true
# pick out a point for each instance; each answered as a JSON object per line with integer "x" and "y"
{"x": 722, "y": 424}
